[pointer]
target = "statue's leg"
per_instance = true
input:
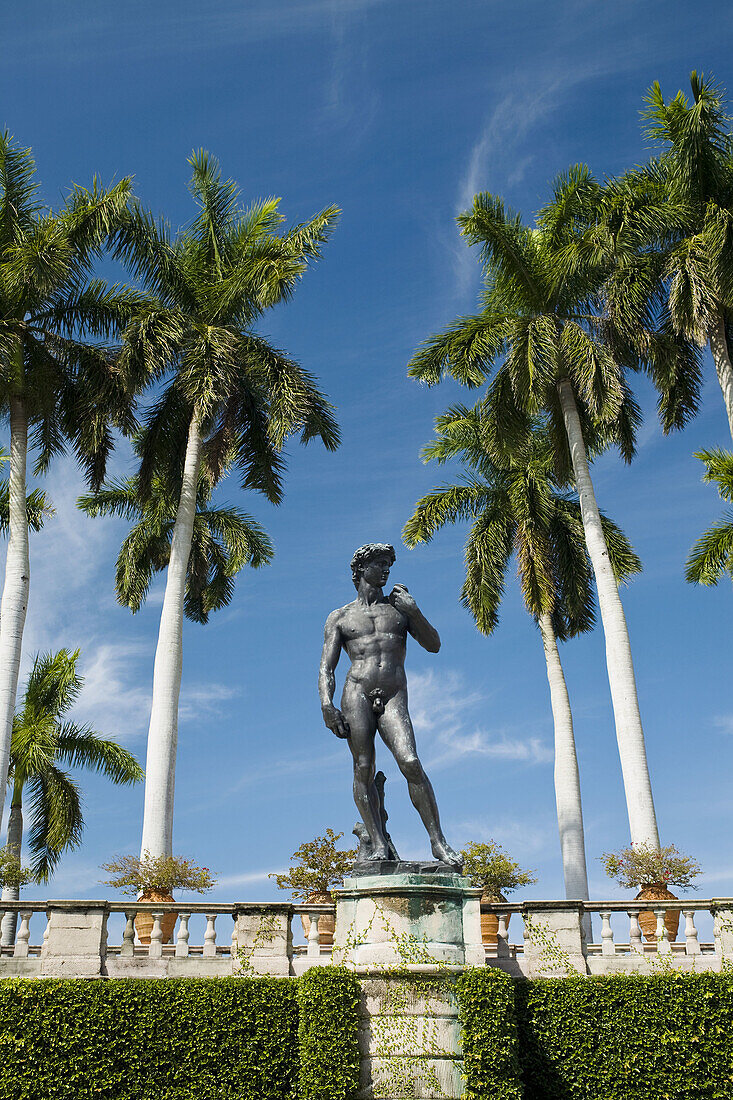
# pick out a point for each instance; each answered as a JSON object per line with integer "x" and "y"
{"x": 398, "y": 735}
{"x": 357, "y": 710}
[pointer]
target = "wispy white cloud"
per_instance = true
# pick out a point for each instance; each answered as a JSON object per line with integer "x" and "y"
{"x": 724, "y": 722}
{"x": 116, "y": 694}
{"x": 512, "y": 119}
{"x": 350, "y": 98}
{"x": 444, "y": 714}
{"x": 500, "y": 156}
{"x": 246, "y": 878}
{"x": 198, "y": 700}
{"x": 220, "y": 23}
{"x": 527, "y": 838}
{"x": 290, "y": 765}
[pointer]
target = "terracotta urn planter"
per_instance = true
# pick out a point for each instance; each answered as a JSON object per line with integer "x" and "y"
{"x": 657, "y": 891}
{"x": 489, "y": 921}
{"x": 144, "y": 921}
{"x": 326, "y": 921}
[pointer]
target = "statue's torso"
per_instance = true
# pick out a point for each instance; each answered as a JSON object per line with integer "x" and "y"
{"x": 374, "y": 637}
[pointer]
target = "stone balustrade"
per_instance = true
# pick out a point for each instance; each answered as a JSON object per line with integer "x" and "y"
{"x": 210, "y": 939}
{"x": 555, "y": 936}
{"x": 535, "y": 938}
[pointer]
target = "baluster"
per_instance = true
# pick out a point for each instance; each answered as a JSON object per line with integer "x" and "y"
{"x": 24, "y": 934}
{"x": 155, "y": 950}
{"x": 210, "y": 936}
{"x": 2, "y": 946}
{"x": 608, "y": 947}
{"x": 314, "y": 947}
{"x": 183, "y": 936}
{"x": 663, "y": 944}
{"x": 46, "y": 931}
{"x": 127, "y": 950}
{"x": 635, "y": 945}
{"x": 692, "y": 947}
{"x": 502, "y": 936}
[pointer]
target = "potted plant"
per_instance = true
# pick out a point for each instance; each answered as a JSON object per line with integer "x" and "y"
{"x": 652, "y": 870}
{"x": 320, "y": 865}
{"x": 489, "y": 866}
{"x": 153, "y": 878}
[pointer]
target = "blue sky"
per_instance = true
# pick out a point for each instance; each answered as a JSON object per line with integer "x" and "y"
{"x": 398, "y": 112}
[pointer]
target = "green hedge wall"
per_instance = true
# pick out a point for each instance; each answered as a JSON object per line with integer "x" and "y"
{"x": 489, "y": 1024}
{"x": 665, "y": 1037}
{"x": 329, "y": 998}
{"x": 179, "y": 1039}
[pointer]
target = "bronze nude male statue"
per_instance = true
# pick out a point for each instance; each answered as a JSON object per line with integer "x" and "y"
{"x": 373, "y": 630}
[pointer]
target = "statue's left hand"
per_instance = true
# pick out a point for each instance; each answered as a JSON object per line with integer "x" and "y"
{"x": 400, "y": 598}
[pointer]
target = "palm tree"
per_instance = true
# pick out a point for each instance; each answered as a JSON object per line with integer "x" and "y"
{"x": 43, "y": 739}
{"x": 230, "y": 398}
{"x": 517, "y": 510}
{"x": 57, "y": 388}
{"x": 696, "y": 168}
{"x": 712, "y": 554}
{"x": 223, "y": 541}
{"x": 564, "y": 358}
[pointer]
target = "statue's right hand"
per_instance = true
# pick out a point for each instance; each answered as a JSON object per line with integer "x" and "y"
{"x": 335, "y": 720}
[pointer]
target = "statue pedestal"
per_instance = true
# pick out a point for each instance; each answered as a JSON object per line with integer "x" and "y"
{"x": 409, "y": 935}
{"x": 398, "y": 919}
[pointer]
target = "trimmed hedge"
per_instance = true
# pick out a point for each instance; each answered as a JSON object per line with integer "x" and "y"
{"x": 180, "y": 1039}
{"x": 612, "y": 1038}
{"x": 489, "y": 1023}
{"x": 329, "y": 999}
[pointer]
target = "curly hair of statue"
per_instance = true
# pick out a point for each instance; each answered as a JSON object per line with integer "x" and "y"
{"x": 367, "y": 553}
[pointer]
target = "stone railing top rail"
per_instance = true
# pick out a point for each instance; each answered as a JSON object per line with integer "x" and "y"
{"x": 291, "y": 908}
{"x": 658, "y": 903}
{"x": 629, "y": 906}
{"x": 131, "y": 906}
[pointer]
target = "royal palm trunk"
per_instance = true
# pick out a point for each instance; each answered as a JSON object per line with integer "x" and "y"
{"x": 723, "y": 367}
{"x": 160, "y": 769}
{"x": 12, "y": 893}
{"x": 567, "y": 777}
{"x": 16, "y": 586}
{"x": 621, "y": 677}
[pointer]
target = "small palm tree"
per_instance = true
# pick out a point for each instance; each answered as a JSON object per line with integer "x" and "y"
{"x": 552, "y": 349}
{"x": 712, "y": 555}
{"x": 229, "y": 397}
{"x": 44, "y": 737}
{"x": 518, "y": 511}
{"x": 695, "y": 227}
{"x": 57, "y": 382}
{"x": 223, "y": 541}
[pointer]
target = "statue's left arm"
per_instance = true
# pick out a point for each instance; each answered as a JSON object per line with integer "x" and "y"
{"x": 421, "y": 630}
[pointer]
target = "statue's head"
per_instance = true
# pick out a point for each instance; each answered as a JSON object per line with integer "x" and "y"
{"x": 373, "y": 554}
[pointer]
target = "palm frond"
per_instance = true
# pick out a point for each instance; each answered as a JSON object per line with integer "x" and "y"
{"x": 18, "y": 188}
{"x": 712, "y": 554}
{"x": 56, "y": 819}
{"x": 465, "y": 351}
{"x": 445, "y": 505}
{"x": 54, "y": 684}
{"x": 82, "y": 747}
{"x": 505, "y": 243}
{"x": 37, "y": 508}
{"x": 489, "y": 548}
{"x": 719, "y": 469}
